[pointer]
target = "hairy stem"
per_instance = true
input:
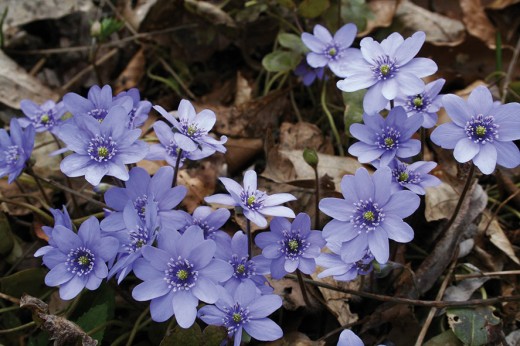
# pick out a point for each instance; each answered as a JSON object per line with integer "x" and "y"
{"x": 331, "y": 119}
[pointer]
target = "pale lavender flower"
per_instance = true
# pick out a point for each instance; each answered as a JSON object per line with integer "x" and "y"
{"x": 244, "y": 269}
{"x": 46, "y": 117}
{"x": 98, "y": 103}
{"x": 386, "y": 68}
{"x": 178, "y": 273}
{"x": 211, "y": 222}
{"x": 141, "y": 189}
{"x": 291, "y": 246}
{"x": 481, "y": 130}
{"x": 101, "y": 148}
{"x": 427, "y": 103}
{"x": 349, "y": 338}
{"x": 78, "y": 261}
{"x": 15, "y": 149}
{"x": 386, "y": 138}
{"x": 327, "y": 50}
{"x": 140, "y": 109}
{"x": 254, "y": 203}
{"x": 244, "y": 310}
{"x": 191, "y": 131}
{"x": 168, "y": 150}
{"x": 307, "y": 73}
{"x": 340, "y": 270}
{"x": 369, "y": 215}
{"x": 413, "y": 176}
{"x": 61, "y": 218}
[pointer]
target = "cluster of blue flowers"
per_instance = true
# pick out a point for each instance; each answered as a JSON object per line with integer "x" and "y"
{"x": 184, "y": 259}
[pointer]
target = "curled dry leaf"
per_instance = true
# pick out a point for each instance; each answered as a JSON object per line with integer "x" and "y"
{"x": 210, "y": 12}
{"x": 241, "y": 151}
{"x": 383, "y": 12}
{"x": 477, "y": 22}
{"x": 16, "y": 84}
{"x": 132, "y": 73}
{"x": 497, "y": 236}
{"x": 440, "y": 30}
{"x": 62, "y": 331}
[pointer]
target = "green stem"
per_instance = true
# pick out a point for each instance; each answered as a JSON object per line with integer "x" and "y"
{"x": 40, "y": 187}
{"x": 136, "y": 327}
{"x": 317, "y": 198}
{"x": 177, "y": 166}
{"x": 16, "y": 329}
{"x": 303, "y": 288}
{"x": 331, "y": 119}
{"x": 31, "y": 207}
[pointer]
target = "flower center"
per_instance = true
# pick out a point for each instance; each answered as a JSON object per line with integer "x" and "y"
{"x": 236, "y": 316}
{"x": 418, "y": 102}
{"x": 293, "y": 245}
{"x": 12, "y": 155}
{"x": 253, "y": 200}
{"x": 404, "y": 176}
{"x": 98, "y": 113}
{"x": 364, "y": 265}
{"x": 139, "y": 237}
{"x": 385, "y": 68}
{"x": 243, "y": 267}
{"x": 206, "y": 228}
{"x": 367, "y": 216}
{"x": 45, "y": 118}
{"x": 332, "y": 51}
{"x": 482, "y": 129}
{"x": 388, "y": 139}
{"x": 173, "y": 150}
{"x": 80, "y": 261}
{"x": 102, "y": 149}
{"x": 180, "y": 274}
{"x": 140, "y": 206}
{"x": 191, "y": 130}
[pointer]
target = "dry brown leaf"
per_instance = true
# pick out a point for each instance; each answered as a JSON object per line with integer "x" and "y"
{"x": 242, "y": 151}
{"x": 497, "y": 236}
{"x": 477, "y": 22}
{"x": 290, "y": 292}
{"x": 440, "y": 30}
{"x": 499, "y": 4}
{"x": 289, "y": 166}
{"x": 16, "y": 84}
{"x": 210, "y": 12}
{"x": 132, "y": 73}
{"x": 383, "y": 12}
{"x": 303, "y": 135}
{"x": 295, "y": 339}
{"x": 244, "y": 90}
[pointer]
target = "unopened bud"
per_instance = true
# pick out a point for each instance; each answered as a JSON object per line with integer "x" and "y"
{"x": 311, "y": 157}
{"x": 95, "y": 29}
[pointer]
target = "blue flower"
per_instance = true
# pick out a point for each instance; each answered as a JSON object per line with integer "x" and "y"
{"x": 327, "y": 50}
{"x": 211, "y": 222}
{"x": 15, "y": 149}
{"x": 414, "y": 177}
{"x": 98, "y": 103}
{"x": 341, "y": 270}
{"x": 387, "y": 69}
{"x": 61, "y": 218}
{"x": 254, "y": 203}
{"x": 308, "y": 73}
{"x": 191, "y": 131}
{"x": 168, "y": 150}
{"x": 101, "y": 148}
{"x": 244, "y": 269}
{"x": 480, "y": 130}
{"x": 78, "y": 260}
{"x": 141, "y": 189}
{"x": 291, "y": 246}
{"x": 369, "y": 215}
{"x": 244, "y": 310}
{"x": 178, "y": 273}
{"x": 44, "y": 117}
{"x": 140, "y": 109}
{"x": 386, "y": 138}
{"x": 349, "y": 338}
{"x": 134, "y": 237}
{"x": 427, "y": 103}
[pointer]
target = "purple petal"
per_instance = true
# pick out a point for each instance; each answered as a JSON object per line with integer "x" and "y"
{"x": 345, "y": 35}
{"x": 410, "y": 48}
{"x": 277, "y": 268}
{"x": 278, "y": 211}
{"x": 257, "y": 218}
{"x": 184, "y": 142}
{"x": 378, "y": 245}
{"x": 161, "y": 308}
{"x": 58, "y": 275}
{"x": 508, "y": 154}
{"x": 185, "y": 308}
{"x": 278, "y": 198}
{"x": 250, "y": 181}
{"x": 390, "y": 88}
{"x": 457, "y": 109}
{"x": 374, "y": 100}
{"x": 409, "y": 148}
{"x": 356, "y": 82}
{"x": 402, "y": 204}
{"x": 307, "y": 265}
{"x": 392, "y": 43}
{"x": 466, "y": 150}
{"x": 480, "y": 100}
{"x": 371, "y": 50}
{"x": 211, "y": 315}
{"x": 72, "y": 288}
{"x": 339, "y": 231}
{"x": 506, "y": 116}
{"x": 409, "y": 84}
{"x": 486, "y": 159}
{"x": 221, "y": 198}
{"x": 322, "y": 33}
{"x": 448, "y": 135}
{"x": 336, "y": 208}
{"x": 397, "y": 229}
{"x": 365, "y": 152}
{"x": 313, "y": 43}
{"x": 217, "y": 270}
{"x": 205, "y": 290}
{"x": 263, "y": 306}
{"x": 420, "y": 67}
{"x": 364, "y": 185}
{"x": 151, "y": 289}
{"x": 75, "y": 165}
{"x": 363, "y": 133}
{"x": 205, "y": 120}
{"x": 348, "y": 338}
{"x": 353, "y": 250}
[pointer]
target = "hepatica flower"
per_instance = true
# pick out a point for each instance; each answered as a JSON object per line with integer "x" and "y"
{"x": 291, "y": 246}
{"x": 369, "y": 215}
{"x": 46, "y": 116}
{"x": 414, "y": 177}
{"x": 140, "y": 190}
{"x": 254, "y": 203}
{"x": 97, "y": 104}
{"x": 327, "y": 50}
{"x": 387, "y": 69}
{"x": 78, "y": 260}
{"x": 426, "y": 104}
{"x": 140, "y": 109}
{"x": 340, "y": 270}
{"x": 349, "y": 338}
{"x": 101, "y": 148}
{"x": 386, "y": 138}
{"x": 307, "y": 73}
{"x": 15, "y": 149}
{"x": 244, "y": 310}
{"x": 61, "y": 218}
{"x": 480, "y": 131}
{"x": 178, "y": 273}
{"x": 191, "y": 131}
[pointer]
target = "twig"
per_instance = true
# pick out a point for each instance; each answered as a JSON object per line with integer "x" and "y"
{"x": 500, "y": 206}
{"x": 303, "y": 289}
{"x": 136, "y": 327}
{"x": 10, "y": 298}
{"x": 16, "y": 329}
{"x": 459, "y": 277}
{"x": 177, "y": 78}
{"x": 510, "y": 71}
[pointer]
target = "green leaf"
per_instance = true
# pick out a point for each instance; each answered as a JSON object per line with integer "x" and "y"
{"x": 186, "y": 337}
{"x": 443, "y": 339}
{"x": 474, "y": 326}
{"x": 353, "y": 108}
{"x": 213, "y": 335}
{"x": 108, "y": 27}
{"x": 293, "y": 42}
{"x": 99, "y": 307}
{"x": 313, "y": 8}
{"x": 281, "y": 61}
{"x": 30, "y": 281}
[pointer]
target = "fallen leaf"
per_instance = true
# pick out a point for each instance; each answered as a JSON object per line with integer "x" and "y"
{"x": 244, "y": 90}
{"x": 497, "y": 236}
{"x": 383, "y": 12}
{"x": 210, "y": 12}
{"x": 474, "y": 326}
{"x": 241, "y": 151}
{"x": 295, "y": 339}
{"x": 132, "y": 74}
{"x": 500, "y": 4}
{"x": 16, "y": 84}
{"x": 477, "y": 22}
{"x": 290, "y": 292}
{"x": 440, "y": 30}
{"x": 444, "y": 339}
{"x": 464, "y": 289}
